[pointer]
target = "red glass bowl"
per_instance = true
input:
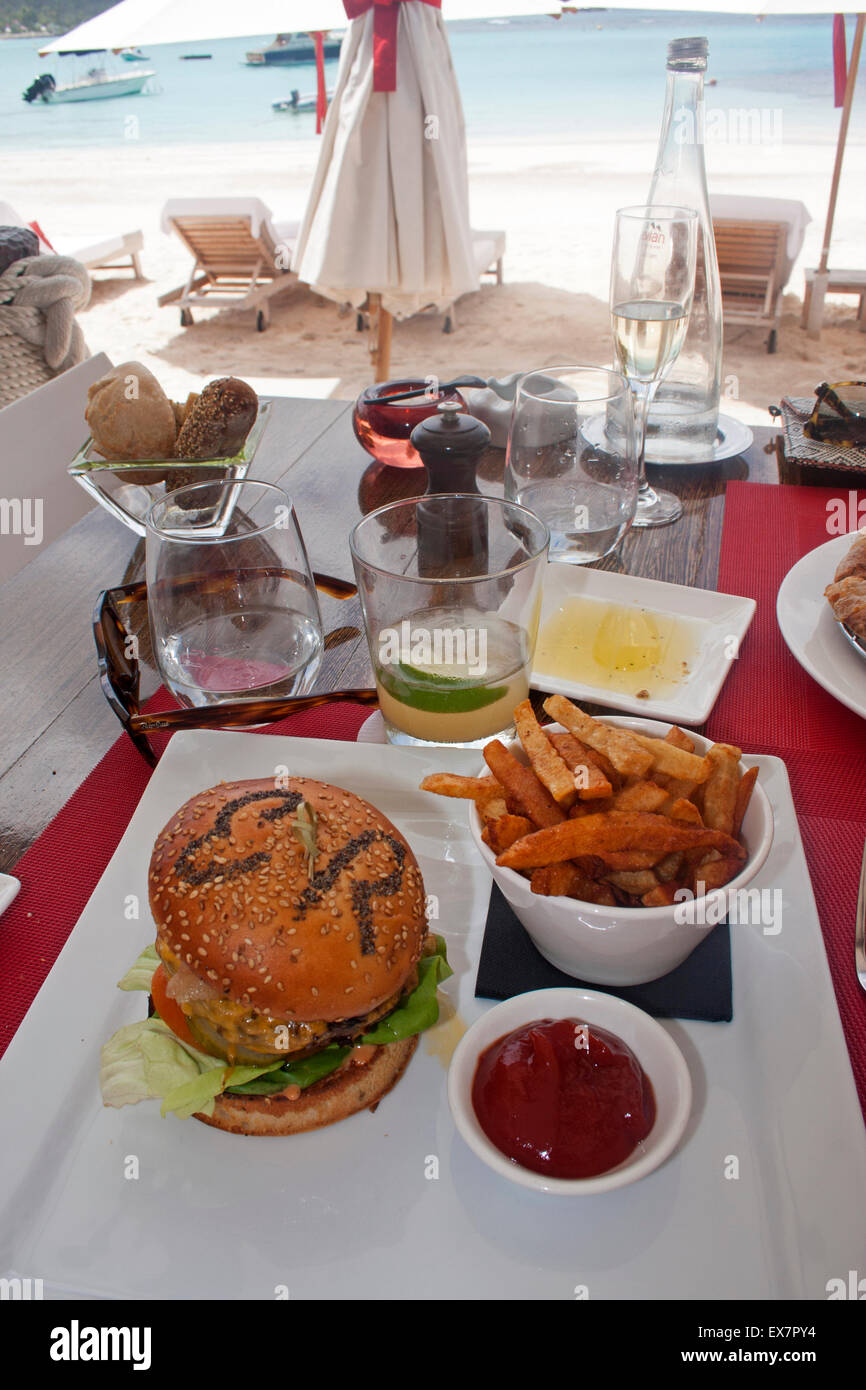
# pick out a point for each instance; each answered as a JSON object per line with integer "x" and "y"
{"x": 384, "y": 429}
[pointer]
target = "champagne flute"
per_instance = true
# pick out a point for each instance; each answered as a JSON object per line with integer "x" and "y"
{"x": 652, "y": 280}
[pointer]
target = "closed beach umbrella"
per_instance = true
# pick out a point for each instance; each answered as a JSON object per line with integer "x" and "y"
{"x": 387, "y": 220}
{"x": 388, "y": 213}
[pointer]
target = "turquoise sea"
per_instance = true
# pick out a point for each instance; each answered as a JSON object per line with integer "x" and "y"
{"x": 593, "y": 76}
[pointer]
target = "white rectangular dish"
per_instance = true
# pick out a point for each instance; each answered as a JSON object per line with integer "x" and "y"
{"x": 717, "y": 622}
{"x": 394, "y": 1205}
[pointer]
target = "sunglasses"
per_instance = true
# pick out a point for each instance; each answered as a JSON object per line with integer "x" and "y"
{"x": 120, "y": 673}
{"x": 839, "y": 416}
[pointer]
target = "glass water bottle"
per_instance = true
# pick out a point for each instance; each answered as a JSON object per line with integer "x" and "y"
{"x": 683, "y": 419}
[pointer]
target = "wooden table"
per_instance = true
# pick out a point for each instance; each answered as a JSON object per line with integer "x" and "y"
{"x": 54, "y": 722}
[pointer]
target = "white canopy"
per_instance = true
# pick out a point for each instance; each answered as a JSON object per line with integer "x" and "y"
{"x": 140, "y": 23}
{"x": 388, "y": 212}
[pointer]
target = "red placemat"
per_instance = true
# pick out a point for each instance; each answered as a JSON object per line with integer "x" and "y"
{"x": 769, "y": 704}
{"x": 61, "y": 869}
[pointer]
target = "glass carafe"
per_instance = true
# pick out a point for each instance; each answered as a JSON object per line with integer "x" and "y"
{"x": 683, "y": 419}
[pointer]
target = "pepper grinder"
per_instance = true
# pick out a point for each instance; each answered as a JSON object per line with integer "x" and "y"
{"x": 452, "y": 534}
{"x": 450, "y": 444}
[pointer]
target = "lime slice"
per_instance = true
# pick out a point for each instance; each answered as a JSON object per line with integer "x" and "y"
{"x": 433, "y": 690}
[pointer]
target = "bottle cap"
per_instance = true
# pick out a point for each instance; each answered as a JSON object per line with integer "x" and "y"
{"x": 688, "y": 51}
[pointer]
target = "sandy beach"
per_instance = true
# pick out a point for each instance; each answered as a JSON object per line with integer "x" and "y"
{"x": 556, "y": 203}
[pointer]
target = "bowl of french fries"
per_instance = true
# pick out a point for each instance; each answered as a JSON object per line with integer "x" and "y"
{"x": 617, "y": 842}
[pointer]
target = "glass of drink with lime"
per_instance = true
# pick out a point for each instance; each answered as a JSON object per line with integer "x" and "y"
{"x": 450, "y": 589}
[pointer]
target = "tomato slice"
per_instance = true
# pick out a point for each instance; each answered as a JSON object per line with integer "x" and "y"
{"x": 168, "y": 1009}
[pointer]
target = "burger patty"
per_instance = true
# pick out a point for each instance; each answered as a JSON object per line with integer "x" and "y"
{"x": 228, "y": 1029}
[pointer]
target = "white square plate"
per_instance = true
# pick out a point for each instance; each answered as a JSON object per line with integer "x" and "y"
{"x": 719, "y": 623}
{"x": 394, "y": 1205}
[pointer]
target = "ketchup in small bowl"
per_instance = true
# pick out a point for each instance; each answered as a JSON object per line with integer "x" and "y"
{"x": 563, "y": 1098}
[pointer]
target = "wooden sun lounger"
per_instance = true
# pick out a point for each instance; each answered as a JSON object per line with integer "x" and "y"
{"x": 241, "y": 257}
{"x": 833, "y": 282}
{"x": 116, "y": 253}
{"x": 751, "y": 256}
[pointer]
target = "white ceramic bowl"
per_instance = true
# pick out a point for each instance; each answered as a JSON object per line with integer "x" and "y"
{"x": 624, "y": 945}
{"x": 655, "y": 1049}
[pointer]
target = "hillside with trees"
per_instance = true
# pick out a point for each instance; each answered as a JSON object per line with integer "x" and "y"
{"x": 58, "y": 17}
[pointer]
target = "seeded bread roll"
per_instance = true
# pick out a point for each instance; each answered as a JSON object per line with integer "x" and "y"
{"x": 130, "y": 416}
{"x": 343, "y": 1093}
{"x": 234, "y": 901}
{"x": 219, "y": 421}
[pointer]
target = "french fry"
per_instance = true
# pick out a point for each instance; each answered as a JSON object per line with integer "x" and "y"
{"x": 640, "y": 796}
{"x": 546, "y": 763}
{"x": 673, "y": 761}
{"x": 616, "y": 744}
{"x": 558, "y": 880}
{"x": 686, "y": 811}
{"x": 591, "y": 808}
{"x": 663, "y": 895}
{"x": 492, "y": 810}
{"x": 679, "y": 739}
{"x": 744, "y": 796}
{"x": 567, "y": 880}
{"x": 481, "y": 790}
{"x": 608, "y": 816}
{"x": 505, "y": 831}
{"x": 591, "y": 865}
{"x": 630, "y": 860}
{"x": 676, "y": 787}
{"x": 720, "y": 788}
{"x": 579, "y": 756}
{"x": 522, "y": 788}
{"x": 612, "y": 832}
{"x": 600, "y": 893}
{"x": 716, "y": 874}
{"x": 668, "y": 869}
{"x": 638, "y": 881}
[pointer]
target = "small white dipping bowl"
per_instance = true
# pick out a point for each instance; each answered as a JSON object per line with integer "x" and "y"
{"x": 624, "y": 945}
{"x": 656, "y": 1051}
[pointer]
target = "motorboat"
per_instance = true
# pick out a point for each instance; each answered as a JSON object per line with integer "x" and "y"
{"x": 294, "y": 48}
{"x": 97, "y": 83}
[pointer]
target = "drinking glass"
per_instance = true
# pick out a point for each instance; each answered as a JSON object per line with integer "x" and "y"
{"x": 450, "y": 588}
{"x": 652, "y": 280}
{"x": 232, "y": 604}
{"x": 572, "y": 458}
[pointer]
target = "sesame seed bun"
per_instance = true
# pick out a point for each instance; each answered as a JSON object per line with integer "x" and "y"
{"x": 233, "y": 899}
{"x": 337, "y": 1096}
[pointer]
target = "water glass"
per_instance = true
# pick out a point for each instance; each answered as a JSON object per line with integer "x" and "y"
{"x": 572, "y": 458}
{"x": 232, "y": 604}
{"x": 450, "y": 588}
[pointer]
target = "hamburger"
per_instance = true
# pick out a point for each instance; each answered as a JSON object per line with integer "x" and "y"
{"x": 292, "y": 969}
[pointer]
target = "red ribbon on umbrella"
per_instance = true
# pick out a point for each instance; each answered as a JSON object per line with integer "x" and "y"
{"x": 840, "y": 60}
{"x": 321, "y": 90}
{"x": 384, "y": 36}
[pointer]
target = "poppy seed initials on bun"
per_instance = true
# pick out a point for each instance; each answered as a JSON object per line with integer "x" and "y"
{"x": 290, "y": 916}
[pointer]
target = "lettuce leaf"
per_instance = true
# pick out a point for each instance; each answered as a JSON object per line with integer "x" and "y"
{"x": 303, "y": 1073}
{"x": 198, "y": 1094}
{"x": 140, "y": 975}
{"x": 146, "y": 1061}
{"x": 420, "y": 1009}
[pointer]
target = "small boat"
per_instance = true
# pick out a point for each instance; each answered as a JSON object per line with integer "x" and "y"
{"x": 195, "y": 57}
{"x": 294, "y": 48}
{"x": 96, "y": 85}
{"x": 298, "y": 103}
{"x": 133, "y": 55}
